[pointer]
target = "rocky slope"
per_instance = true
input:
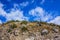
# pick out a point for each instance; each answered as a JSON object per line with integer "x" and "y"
{"x": 16, "y": 30}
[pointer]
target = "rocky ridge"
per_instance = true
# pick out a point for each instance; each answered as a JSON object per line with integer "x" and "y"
{"x": 16, "y": 30}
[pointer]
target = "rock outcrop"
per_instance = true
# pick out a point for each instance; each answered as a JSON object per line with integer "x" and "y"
{"x": 29, "y": 31}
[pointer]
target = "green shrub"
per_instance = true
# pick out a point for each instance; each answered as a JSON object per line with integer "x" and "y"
{"x": 24, "y": 29}
{"x": 24, "y": 22}
{"x": 10, "y": 21}
{"x": 13, "y": 26}
{"x": 17, "y": 21}
{"x": 9, "y": 30}
{"x": 43, "y": 22}
{"x": 52, "y": 24}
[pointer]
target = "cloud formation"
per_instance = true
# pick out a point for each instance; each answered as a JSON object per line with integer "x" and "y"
{"x": 42, "y": 2}
{"x": 24, "y": 4}
{"x": 16, "y": 15}
{"x": 56, "y": 20}
{"x": 13, "y": 15}
{"x": 0, "y": 22}
{"x": 40, "y": 14}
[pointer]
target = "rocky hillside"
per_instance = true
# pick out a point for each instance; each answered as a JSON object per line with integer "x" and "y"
{"x": 23, "y": 30}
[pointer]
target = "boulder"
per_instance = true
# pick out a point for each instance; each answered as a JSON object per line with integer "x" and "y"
{"x": 44, "y": 32}
{"x": 55, "y": 30}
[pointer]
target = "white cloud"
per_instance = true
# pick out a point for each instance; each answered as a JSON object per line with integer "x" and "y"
{"x": 21, "y": 5}
{"x": 56, "y": 20}
{"x": 42, "y": 2}
{"x": 13, "y": 15}
{"x": 24, "y": 3}
{"x": 16, "y": 15}
{"x": 0, "y": 22}
{"x": 38, "y": 11}
{"x": 16, "y": 6}
{"x": 2, "y": 12}
{"x": 40, "y": 14}
{"x": 1, "y": 5}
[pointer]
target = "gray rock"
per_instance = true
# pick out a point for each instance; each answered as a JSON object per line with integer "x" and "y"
{"x": 16, "y": 32}
{"x": 44, "y": 32}
{"x": 55, "y": 30}
{"x": 31, "y": 38}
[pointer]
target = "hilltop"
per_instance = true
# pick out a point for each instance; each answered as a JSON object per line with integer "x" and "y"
{"x": 24, "y": 30}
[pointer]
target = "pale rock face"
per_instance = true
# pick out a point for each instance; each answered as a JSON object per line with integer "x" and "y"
{"x": 28, "y": 39}
{"x": 16, "y": 32}
{"x": 47, "y": 39}
{"x": 55, "y": 30}
{"x": 31, "y": 38}
{"x": 44, "y": 31}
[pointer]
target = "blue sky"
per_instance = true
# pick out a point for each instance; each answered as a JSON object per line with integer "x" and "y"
{"x": 30, "y": 10}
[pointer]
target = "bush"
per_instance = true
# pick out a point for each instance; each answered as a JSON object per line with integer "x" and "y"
{"x": 43, "y": 22}
{"x": 17, "y": 21}
{"x": 9, "y": 30}
{"x": 52, "y": 24}
{"x": 24, "y": 22}
{"x": 13, "y": 26}
{"x": 9, "y": 21}
{"x": 24, "y": 29}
